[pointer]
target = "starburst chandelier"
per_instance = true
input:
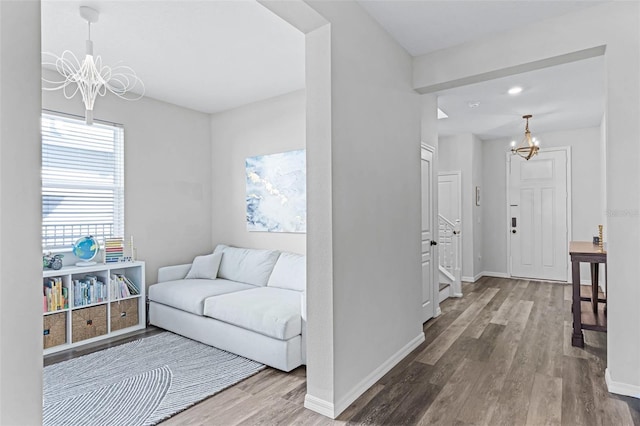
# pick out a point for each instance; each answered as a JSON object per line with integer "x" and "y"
{"x": 529, "y": 146}
{"x": 90, "y": 77}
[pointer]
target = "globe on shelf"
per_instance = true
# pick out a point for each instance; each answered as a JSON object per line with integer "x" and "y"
{"x": 86, "y": 249}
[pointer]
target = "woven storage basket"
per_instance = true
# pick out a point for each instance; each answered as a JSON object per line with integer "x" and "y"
{"x": 54, "y": 329}
{"x": 89, "y": 322}
{"x": 124, "y": 313}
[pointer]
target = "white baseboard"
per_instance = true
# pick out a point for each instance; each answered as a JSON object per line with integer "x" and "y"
{"x": 495, "y": 274}
{"x": 320, "y": 406}
{"x": 377, "y": 374}
{"x": 333, "y": 410}
{"x": 621, "y": 388}
{"x": 472, "y": 279}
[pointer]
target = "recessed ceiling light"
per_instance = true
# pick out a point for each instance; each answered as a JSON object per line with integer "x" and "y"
{"x": 474, "y": 104}
{"x": 441, "y": 114}
{"x": 515, "y": 90}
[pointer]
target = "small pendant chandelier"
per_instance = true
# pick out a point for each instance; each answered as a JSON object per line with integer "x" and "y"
{"x": 529, "y": 146}
{"x": 90, "y": 77}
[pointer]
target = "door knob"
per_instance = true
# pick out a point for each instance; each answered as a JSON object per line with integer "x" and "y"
{"x": 434, "y": 243}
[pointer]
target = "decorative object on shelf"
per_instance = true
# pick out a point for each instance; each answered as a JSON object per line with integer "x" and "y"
{"x": 52, "y": 261}
{"x": 86, "y": 249}
{"x": 600, "y": 239}
{"x": 277, "y": 192}
{"x": 529, "y": 146}
{"x": 113, "y": 250}
{"x": 90, "y": 77}
{"x": 133, "y": 249}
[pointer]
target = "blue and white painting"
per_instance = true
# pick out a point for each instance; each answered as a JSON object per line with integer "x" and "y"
{"x": 277, "y": 192}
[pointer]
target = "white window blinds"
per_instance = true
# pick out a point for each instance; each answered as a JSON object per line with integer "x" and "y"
{"x": 82, "y": 181}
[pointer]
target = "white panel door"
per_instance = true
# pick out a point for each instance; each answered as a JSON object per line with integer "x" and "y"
{"x": 538, "y": 216}
{"x": 428, "y": 234}
{"x": 449, "y": 195}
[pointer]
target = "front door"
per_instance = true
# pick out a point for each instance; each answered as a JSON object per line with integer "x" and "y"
{"x": 428, "y": 235}
{"x": 538, "y": 215}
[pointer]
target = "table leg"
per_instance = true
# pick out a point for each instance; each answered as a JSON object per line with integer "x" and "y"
{"x": 606, "y": 290}
{"x": 577, "y": 338}
{"x": 594, "y": 286}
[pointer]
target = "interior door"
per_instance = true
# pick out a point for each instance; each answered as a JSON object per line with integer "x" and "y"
{"x": 428, "y": 235}
{"x": 449, "y": 195}
{"x": 538, "y": 216}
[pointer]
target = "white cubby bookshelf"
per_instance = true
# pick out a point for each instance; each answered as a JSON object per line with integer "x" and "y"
{"x": 98, "y": 320}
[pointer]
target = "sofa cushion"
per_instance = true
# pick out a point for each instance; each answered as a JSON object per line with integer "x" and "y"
{"x": 271, "y": 311}
{"x": 250, "y": 266}
{"x": 189, "y": 295}
{"x": 205, "y": 267}
{"x": 289, "y": 272}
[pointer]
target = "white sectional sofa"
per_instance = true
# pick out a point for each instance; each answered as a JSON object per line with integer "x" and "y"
{"x": 246, "y": 301}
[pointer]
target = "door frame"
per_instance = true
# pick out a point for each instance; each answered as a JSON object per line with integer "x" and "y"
{"x": 509, "y": 156}
{"x": 435, "y": 289}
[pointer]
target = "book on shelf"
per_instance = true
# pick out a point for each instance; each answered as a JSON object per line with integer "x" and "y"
{"x": 88, "y": 290}
{"x": 55, "y": 295}
{"x": 122, "y": 286}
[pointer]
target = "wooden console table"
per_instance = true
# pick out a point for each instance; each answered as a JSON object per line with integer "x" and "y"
{"x": 594, "y": 317}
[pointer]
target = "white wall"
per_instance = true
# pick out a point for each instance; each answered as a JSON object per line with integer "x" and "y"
{"x": 586, "y": 199}
{"x": 267, "y": 127}
{"x": 463, "y": 152}
{"x": 616, "y": 26}
{"x": 20, "y": 221}
{"x": 167, "y": 175}
{"x": 375, "y": 177}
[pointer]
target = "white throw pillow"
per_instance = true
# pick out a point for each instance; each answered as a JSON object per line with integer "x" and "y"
{"x": 205, "y": 267}
{"x": 290, "y": 272}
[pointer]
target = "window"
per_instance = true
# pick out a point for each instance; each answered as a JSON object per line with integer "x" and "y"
{"x": 82, "y": 181}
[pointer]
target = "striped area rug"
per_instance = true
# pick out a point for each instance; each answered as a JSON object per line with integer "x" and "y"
{"x": 138, "y": 383}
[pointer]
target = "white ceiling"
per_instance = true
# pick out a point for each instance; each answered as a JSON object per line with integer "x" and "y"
{"x": 204, "y": 55}
{"x": 422, "y": 26}
{"x": 560, "y": 98}
{"x": 216, "y": 55}
{"x": 563, "y": 97}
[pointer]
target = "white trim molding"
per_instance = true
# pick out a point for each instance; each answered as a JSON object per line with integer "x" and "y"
{"x": 495, "y": 274}
{"x": 621, "y": 388}
{"x": 377, "y": 374}
{"x": 473, "y": 279}
{"x": 333, "y": 410}
{"x": 320, "y": 406}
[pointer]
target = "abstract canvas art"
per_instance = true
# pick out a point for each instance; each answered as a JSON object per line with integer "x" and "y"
{"x": 277, "y": 192}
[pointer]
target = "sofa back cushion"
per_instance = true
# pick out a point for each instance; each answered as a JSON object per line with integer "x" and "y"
{"x": 290, "y": 272}
{"x": 250, "y": 266}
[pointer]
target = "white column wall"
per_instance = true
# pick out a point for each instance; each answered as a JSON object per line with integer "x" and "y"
{"x": 20, "y": 222}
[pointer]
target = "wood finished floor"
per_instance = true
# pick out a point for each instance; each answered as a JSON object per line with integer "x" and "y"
{"x": 501, "y": 355}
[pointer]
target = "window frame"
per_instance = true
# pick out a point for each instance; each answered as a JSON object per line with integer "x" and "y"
{"x": 56, "y": 240}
